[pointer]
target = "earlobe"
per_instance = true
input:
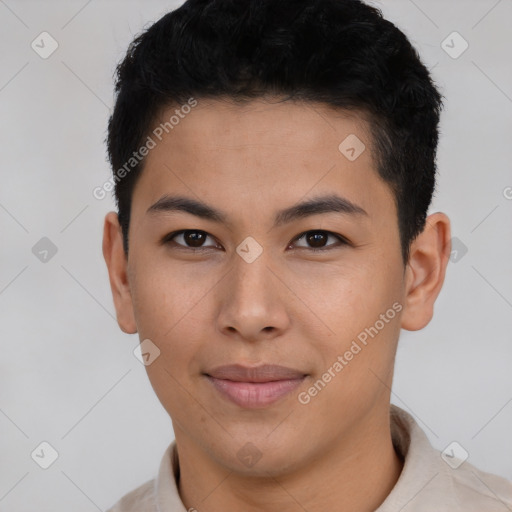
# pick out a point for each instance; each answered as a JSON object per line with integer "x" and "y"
{"x": 425, "y": 272}
{"x": 117, "y": 270}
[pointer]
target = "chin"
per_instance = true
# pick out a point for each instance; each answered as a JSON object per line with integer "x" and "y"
{"x": 260, "y": 458}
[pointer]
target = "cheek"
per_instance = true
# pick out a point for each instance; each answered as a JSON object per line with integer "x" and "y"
{"x": 167, "y": 309}
{"x": 357, "y": 363}
{"x": 167, "y": 312}
{"x": 346, "y": 298}
{"x": 362, "y": 312}
{"x": 168, "y": 299}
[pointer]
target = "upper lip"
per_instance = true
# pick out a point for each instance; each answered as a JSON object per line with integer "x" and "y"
{"x": 263, "y": 373}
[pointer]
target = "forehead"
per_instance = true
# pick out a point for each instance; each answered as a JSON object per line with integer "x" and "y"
{"x": 300, "y": 124}
{"x": 262, "y": 153}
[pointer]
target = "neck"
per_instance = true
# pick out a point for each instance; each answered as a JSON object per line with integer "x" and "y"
{"x": 357, "y": 473}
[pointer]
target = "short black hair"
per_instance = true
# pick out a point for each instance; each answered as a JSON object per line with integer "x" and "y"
{"x": 342, "y": 53}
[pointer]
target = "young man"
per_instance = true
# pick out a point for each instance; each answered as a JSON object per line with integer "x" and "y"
{"x": 274, "y": 162}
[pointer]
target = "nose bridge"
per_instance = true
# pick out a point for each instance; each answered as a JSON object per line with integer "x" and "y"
{"x": 251, "y": 280}
{"x": 251, "y": 299}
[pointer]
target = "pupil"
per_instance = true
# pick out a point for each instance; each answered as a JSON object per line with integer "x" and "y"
{"x": 194, "y": 238}
{"x": 319, "y": 238}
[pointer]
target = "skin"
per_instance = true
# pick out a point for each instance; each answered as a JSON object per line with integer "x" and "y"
{"x": 291, "y": 306}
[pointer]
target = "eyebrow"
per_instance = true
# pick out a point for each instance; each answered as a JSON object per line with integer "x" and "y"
{"x": 323, "y": 204}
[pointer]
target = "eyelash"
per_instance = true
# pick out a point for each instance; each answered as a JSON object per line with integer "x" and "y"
{"x": 168, "y": 239}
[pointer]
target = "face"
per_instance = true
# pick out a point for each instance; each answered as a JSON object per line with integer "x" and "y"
{"x": 253, "y": 278}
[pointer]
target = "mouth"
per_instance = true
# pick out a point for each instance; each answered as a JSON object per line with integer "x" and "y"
{"x": 254, "y": 387}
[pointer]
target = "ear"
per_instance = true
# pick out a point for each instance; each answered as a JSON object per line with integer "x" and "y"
{"x": 425, "y": 271}
{"x": 117, "y": 265}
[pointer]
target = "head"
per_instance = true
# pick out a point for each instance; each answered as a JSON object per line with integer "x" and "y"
{"x": 252, "y": 133}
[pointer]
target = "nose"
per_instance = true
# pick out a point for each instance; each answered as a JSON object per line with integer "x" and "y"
{"x": 252, "y": 301}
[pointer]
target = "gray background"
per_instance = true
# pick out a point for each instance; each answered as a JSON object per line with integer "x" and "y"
{"x": 68, "y": 375}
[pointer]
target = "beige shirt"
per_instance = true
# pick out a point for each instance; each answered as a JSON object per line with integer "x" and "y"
{"x": 427, "y": 483}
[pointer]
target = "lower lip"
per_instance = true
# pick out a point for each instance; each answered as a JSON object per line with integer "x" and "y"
{"x": 255, "y": 394}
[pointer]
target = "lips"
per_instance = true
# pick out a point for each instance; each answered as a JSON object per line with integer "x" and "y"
{"x": 264, "y": 373}
{"x": 254, "y": 387}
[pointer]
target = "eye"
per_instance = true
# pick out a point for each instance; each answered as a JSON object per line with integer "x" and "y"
{"x": 191, "y": 238}
{"x": 194, "y": 239}
{"x": 318, "y": 239}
